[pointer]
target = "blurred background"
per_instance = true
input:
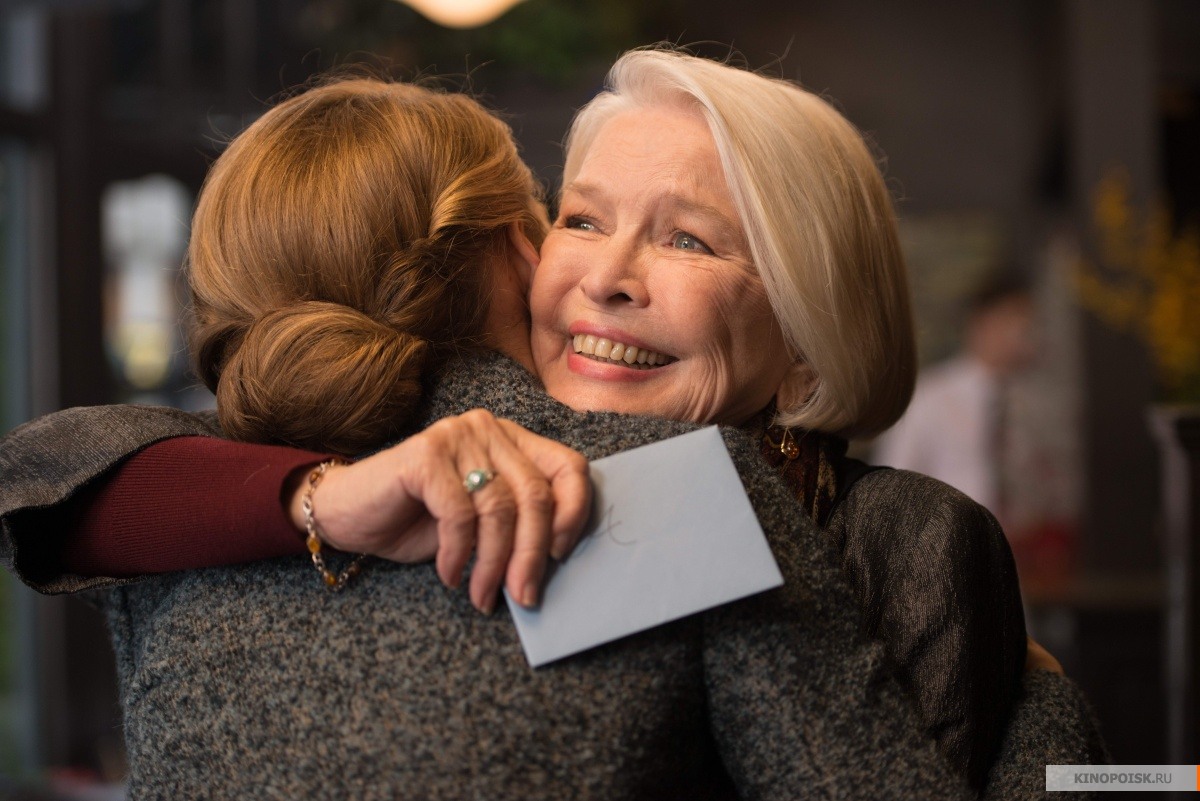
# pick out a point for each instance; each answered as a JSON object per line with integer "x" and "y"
{"x": 1051, "y": 146}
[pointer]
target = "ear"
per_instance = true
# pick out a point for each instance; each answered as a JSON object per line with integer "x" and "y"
{"x": 525, "y": 250}
{"x": 797, "y": 385}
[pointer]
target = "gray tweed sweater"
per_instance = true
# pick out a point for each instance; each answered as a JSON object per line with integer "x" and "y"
{"x": 249, "y": 681}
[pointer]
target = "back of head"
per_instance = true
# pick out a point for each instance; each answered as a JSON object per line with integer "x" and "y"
{"x": 341, "y": 244}
{"x": 818, "y": 218}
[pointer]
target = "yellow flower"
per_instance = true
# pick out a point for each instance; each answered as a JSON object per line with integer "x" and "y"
{"x": 1148, "y": 284}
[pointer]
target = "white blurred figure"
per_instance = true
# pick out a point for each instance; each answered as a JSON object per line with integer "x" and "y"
{"x": 958, "y": 427}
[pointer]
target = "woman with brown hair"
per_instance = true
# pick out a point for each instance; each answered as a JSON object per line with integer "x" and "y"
{"x": 348, "y": 242}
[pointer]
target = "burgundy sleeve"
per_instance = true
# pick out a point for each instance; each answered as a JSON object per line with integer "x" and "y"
{"x": 186, "y": 502}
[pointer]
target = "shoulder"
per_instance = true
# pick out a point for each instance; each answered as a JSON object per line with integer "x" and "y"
{"x": 915, "y": 547}
{"x": 920, "y": 548}
{"x": 482, "y": 380}
{"x": 916, "y": 518}
{"x": 496, "y": 383}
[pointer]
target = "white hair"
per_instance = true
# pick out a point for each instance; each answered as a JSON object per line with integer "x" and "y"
{"x": 818, "y": 218}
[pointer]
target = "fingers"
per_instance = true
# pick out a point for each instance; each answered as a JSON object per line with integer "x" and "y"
{"x": 429, "y": 472}
{"x": 571, "y": 488}
{"x": 479, "y": 517}
{"x": 550, "y": 486}
{"x": 522, "y": 565}
{"x": 514, "y": 524}
{"x": 457, "y": 523}
{"x": 496, "y": 511}
{"x": 535, "y": 506}
{"x": 1038, "y": 658}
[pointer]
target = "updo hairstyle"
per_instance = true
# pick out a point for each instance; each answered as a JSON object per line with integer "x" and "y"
{"x": 342, "y": 244}
{"x": 818, "y": 218}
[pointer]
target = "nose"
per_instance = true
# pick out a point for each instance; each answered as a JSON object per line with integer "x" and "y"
{"x": 617, "y": 275}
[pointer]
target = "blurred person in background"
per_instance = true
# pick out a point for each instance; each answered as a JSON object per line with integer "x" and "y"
{"x": 959, "y": 427}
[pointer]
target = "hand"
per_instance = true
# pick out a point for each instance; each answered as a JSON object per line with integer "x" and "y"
{"x": 1038, "y": 658}
{"x": 408, "y": 504}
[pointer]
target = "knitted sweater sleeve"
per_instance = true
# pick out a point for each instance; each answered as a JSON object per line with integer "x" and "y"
{"x": 183, "y": 503}
{"x": 87, "y": 471}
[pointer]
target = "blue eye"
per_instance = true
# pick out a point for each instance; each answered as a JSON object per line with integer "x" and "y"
{"x": 579, "y": 223}
{"x": 681, "y": 240}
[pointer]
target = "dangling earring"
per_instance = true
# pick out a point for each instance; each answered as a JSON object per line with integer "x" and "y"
{"x": 786, "y": 445}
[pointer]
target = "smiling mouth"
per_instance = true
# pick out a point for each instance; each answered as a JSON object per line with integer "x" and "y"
{"x": 605, "y": 350}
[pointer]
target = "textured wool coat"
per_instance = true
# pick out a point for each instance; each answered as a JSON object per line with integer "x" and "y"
{"x": 251, "y": 681}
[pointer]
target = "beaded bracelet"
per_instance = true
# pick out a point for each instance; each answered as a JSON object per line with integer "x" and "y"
{"x": 333, "y": 581}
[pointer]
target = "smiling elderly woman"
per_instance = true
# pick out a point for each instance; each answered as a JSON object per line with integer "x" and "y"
{"x": 785, "y": 277}
{"x": 772, "y": 298}
{"x": 781, "y": 284}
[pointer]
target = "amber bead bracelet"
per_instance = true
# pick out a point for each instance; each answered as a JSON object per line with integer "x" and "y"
{"x": 333, "y": 581}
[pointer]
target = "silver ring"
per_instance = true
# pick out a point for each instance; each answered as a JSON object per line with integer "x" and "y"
{"x": 477, "y": 480}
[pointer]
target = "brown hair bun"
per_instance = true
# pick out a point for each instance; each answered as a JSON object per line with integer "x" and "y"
{"x": 321, "y": 376}
{"x": 342, "y": 244}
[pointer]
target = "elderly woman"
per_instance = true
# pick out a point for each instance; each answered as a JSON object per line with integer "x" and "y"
{"x": 654, "y": 296}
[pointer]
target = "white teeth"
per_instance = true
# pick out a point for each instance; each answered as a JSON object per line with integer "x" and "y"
{"x": 602, "y": 348}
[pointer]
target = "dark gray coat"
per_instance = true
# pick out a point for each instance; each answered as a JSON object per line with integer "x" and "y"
{"x": 251, "y": 681}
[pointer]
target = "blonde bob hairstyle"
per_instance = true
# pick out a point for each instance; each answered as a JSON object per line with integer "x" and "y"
{"x": 818, "y": 218}
{"x": 341, "y": 244}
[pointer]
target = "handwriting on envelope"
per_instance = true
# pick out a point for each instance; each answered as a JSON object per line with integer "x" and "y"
{"x": 672, "y": 533}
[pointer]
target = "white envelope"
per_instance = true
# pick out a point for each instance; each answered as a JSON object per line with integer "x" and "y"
{"x": 672, "y": 533}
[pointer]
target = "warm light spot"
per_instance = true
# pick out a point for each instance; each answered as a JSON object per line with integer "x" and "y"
{"x": 462, "y": 13}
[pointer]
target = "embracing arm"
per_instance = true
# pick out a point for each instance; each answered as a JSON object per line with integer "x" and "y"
{"x": 45, "y": 463}
{"x": 936, "y": 580}
{"x": 81, "y": 499}
{"x": 183, "y": 503}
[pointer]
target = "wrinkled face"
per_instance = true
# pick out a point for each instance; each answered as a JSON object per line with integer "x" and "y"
{"x": 646, "y": 300}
